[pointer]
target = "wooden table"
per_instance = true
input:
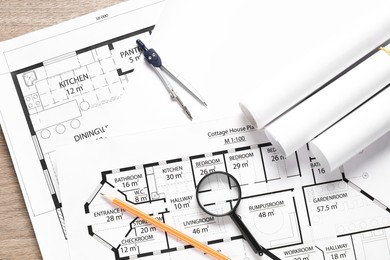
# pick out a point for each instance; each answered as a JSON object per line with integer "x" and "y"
{"x": 17, "y": 17}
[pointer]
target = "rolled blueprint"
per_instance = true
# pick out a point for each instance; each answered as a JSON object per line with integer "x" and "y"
{"x": 354, "y": 132}
{"x": 279, "y": 94}
{"x": 308, "y": 119}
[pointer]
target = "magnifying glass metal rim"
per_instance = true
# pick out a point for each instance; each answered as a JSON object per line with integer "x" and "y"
{"x": 238, "y": 199}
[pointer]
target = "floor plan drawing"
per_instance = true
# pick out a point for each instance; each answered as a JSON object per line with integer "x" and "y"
{"x": 291, "y": 205}
{"x": 59, "y": 91}
{"x": 55, "y": 94}
{"x": 171, "y": 185}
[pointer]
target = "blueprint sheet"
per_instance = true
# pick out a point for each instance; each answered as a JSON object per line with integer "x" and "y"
{"x": 291, "y": 205}
{"x": 62, "y": 85}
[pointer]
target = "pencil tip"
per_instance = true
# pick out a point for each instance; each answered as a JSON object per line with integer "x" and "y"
{"x": 108, "y": 197}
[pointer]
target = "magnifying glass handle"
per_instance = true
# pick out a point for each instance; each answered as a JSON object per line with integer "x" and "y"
{"x": 250, "y": 238}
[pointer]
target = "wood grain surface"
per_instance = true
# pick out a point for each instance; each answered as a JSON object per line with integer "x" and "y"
{"x": 18, "y": 17}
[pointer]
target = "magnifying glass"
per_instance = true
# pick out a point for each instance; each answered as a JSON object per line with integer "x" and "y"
{"x": 219, "y": 194}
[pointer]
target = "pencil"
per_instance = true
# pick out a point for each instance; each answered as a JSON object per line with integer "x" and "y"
{"x": 170, "y": 230}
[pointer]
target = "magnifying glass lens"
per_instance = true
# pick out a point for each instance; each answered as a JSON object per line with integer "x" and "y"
{"x": 218, "y": 194}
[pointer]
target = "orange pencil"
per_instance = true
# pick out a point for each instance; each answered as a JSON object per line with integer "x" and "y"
{"x": 170, "y": 230}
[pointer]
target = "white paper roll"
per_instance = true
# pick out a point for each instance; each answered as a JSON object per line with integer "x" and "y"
{"x": 302, "y": 123}
{"x": 354, "y": 132}
{"x": 294, "y": 84}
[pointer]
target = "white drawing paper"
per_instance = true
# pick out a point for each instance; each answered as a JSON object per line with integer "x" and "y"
{"x": 353, "y": 133}
{"x": 369, "y": 170}
{"x": 329, "y": 105}
{"x": 229, "y": 49}
{"x": 318, "y": 66}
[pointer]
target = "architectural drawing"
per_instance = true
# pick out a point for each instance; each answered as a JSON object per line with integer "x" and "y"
{"x": 292, "y": 206}
{"x": 55, "y": 94}
{"x": 59, "y": 87}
